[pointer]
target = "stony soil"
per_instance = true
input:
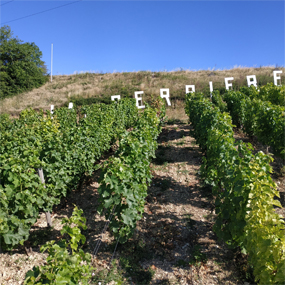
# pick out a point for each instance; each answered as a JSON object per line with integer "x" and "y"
{"x": 174, "y": 242}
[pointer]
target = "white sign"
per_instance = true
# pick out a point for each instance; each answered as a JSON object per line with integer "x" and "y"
{"x": 227, "y": 79}
{"x": 51, "y": 108}
{"x": 70, "y": 106}
{"x": 113, "y": 97}
{"x": 139, "y": 99}
{"x": 189, "y": 88}
{"x": 164, "y": 93}
{"x": 275, "y": 72}
{"x": 211, "y": 86}
{"x": 251, "y": 80}
{"x": 211, "y": 89}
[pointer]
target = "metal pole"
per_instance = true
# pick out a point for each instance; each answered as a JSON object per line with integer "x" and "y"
{"x": 51, "y": 63}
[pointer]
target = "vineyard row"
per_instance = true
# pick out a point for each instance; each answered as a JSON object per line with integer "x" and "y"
{"x": 64, "y": 148}
{"x": 124, "y": 181}
{"x": 244, "y": 191}
{"x": 252, "y": 111}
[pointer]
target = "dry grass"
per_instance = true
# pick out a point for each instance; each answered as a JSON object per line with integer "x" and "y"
{"x": 176, "y": 112}
{"x": 86, "y": 85}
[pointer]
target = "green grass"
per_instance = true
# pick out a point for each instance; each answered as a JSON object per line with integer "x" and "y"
{"x": 132, "y": 254}
{"x": 105, "y": 276}
{"x": 197, "y": 256}
{"x": 174, "y": 121}
{"x": 165, "y": 184}
{"x": 183, "y": 171}
{"x": 161, "y": 157}
{"x": 40, "y": 236}
{"x": 189, "y": 221}
{"x": 182, "y": 142}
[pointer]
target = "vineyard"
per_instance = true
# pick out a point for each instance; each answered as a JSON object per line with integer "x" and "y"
{"x": 163, "y": 213}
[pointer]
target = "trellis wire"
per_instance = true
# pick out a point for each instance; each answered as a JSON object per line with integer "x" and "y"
{"x": 114, "y": 251}
{"x": 104, "y": 229}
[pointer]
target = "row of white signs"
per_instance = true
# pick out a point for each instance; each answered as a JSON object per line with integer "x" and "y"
{"x": 164, "y": 92}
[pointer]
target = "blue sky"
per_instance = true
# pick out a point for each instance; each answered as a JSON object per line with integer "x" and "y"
{"x": 110, "y": 36}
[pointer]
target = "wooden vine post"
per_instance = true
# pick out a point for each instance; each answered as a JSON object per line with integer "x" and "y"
{"x": 41, "y": 175}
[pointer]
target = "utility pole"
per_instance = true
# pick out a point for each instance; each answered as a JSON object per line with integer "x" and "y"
{"x": 51, "y": 63}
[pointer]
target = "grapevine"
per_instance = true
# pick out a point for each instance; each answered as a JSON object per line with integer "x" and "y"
{"x": 243, "y": 189}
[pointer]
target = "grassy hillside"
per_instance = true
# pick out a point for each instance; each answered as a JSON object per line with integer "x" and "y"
{"x": 94, "y": 87}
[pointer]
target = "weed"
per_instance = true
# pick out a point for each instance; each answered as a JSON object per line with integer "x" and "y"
{"x": 206, "y": 191}
{"x": 165, "y": 282}
{"x": 131, "y": 257}
{"x": 282, "y": 171}
{"x": 189, "y": 222}
{"x": 105, "y": 276}
{"x": 136, "y": 271}
{"x": 161, "y": 158}
{"x": 189, "y": 148}
{"x": 182, "y": 134}
{"x": 40, "y": 236}
{"x": 246, "y": 270}
{"x": 20, "y": 260}
{"x": 198, "y": 257}
{"x": 174, "y": 121}
{"x": 181, "y": 142}
{"x": 217, "y": 262}
{"x": 182, "y": 263}
{"x": 184, "y": 171}
{"x": 165, "y": 184}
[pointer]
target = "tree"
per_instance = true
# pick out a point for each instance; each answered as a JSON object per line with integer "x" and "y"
{"x": 21, "y": 67}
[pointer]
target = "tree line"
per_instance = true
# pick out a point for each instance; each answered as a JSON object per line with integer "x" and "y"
{"x": 21, "y": 67}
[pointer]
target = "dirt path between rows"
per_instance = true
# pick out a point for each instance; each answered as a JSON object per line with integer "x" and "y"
{"x": 174, "y": 242}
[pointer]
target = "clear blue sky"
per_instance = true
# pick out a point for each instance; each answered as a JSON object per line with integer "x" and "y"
{"x": 108, "y": 36}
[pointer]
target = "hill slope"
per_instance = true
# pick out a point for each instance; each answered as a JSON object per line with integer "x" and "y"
{"x": 65, "y": 88}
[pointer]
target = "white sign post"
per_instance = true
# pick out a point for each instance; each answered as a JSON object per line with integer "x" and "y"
{"x": 189, "y": 88}
{"x": 164, "y": 93}
{"x": 139, "y": 99}
{"x": 70, "y": 105}
{"x": 227, "y": 79}
{"x": 251, "y": 80}
{"x": 275, "y": 72}
{"x": 51, "y": 109}
{"x": 211, "y": 89}
{"x": 114, "y": 97}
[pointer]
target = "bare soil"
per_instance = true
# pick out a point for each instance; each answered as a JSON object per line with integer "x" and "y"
{"x": 174, "y": 242}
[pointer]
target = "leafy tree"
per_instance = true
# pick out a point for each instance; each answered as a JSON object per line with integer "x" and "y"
{"x": 21, "y": 67}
